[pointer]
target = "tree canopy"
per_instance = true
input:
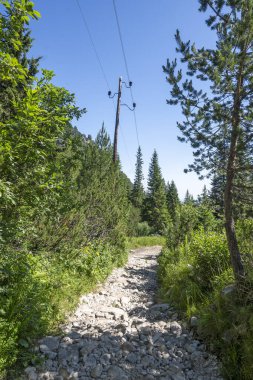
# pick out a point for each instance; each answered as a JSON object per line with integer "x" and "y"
{"x": 218, "y": 122}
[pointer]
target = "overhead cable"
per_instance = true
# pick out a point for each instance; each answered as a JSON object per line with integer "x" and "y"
{"x": 98, "y": 60}
{"x": 126, "y": 66}
{"x": 93, "y": 45}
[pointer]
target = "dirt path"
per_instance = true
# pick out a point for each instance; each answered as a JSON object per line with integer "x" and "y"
{"x": 121, "y": 333}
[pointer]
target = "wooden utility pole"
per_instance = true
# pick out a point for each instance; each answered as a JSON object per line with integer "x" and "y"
{"x": 115, "y": 142}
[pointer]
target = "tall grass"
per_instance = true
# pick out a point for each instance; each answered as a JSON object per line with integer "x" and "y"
{"x": 193, "y": 277}
{"x": 145, "y": 241}
{"x": 47, "y": 288}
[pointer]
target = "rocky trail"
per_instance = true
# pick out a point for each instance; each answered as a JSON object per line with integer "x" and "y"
{"x": 120, "y": 332}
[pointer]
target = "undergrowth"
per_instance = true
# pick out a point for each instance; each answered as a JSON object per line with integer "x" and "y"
{"x": 145, "y": 241}
{"x": 47, "y": 289}
{"x": 196, "y": 277}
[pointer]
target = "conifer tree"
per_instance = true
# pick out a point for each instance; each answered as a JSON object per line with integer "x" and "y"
{"x": 204, "y": 198}
{"x": 103, "y": 140}
{"x": 172, "y": 199}
{"x": 188, "y": 199}
{"x": 156, "y": 208}
{"x": 220, "y": 120}
{"x": 137, "y": 195}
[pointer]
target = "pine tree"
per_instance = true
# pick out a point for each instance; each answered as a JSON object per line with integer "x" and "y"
{"x": 188, "y": 199}
{"x": 103, "y": 140}
{"x": 204, "y": 198}
{"x": 172, "y": 199}
{"x": 218, "y": 122}
{"x": 156, "y": 211}
{"x": 137, "y": 195}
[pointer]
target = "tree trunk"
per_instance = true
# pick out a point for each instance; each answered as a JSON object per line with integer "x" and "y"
{"x": 234, "y": 251}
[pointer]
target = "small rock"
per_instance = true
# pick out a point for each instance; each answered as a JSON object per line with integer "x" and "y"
{"x": 178, "y": 376}
{"x": 121, "y": 327}
{"x": 90, "y": 361}
{"x": 228, "y": 290}
{"x": 44, "y": 348}
{"x": 63, "y": 373}
{"x": 116, "y": 373}
{"x": 96, "y": 372}
{"x": 52, "y": 342}
{"x": 51, "y": 355}
{"x": 132, "y": 358}
{"x": 174, "y": 368}
{"x": 73, "y": 376}
{"x": 74, "y": 335}
{"x": 124, "y": 301}
{"x": 31, "y": 373}
{"x": 160, "y": 307}
{"x": 189, "y": 348}
{"x": 176, "y": 328}
{"x": 147, "y": 361}
{"x": 194, "y": 322}
{"x": 126, "y": 346}
{"x": 106, "y": 357}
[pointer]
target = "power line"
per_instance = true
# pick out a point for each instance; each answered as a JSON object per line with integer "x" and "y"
{"x": 93, "y": 44}
{"x": 99, "y": 62}
{"x": 126, "y": 66}
{"x": 100, "y": 65}
{"x": 121, "y": 39}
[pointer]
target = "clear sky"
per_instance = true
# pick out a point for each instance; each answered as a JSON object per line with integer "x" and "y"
{"x": 148, "y": 28}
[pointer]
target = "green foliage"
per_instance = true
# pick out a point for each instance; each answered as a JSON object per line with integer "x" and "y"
{"x": 137, "y": 194}
{"x": 143, "y": 229}
{"x": 200, "y": 259}
{"x": 41, "y": 289}
{"x": 218, "y": 114}
{"x": 44, "y": 272}
{"x": 156, "y": 212}
{"x": 172, "y": 199}
{"x": 245, "y": 236}
{"x": 16, "y": 69}
{"x": 189, "y": 218}
{"x": 64, "y": 205}
{"x": 188, "y": 199}
{"x": 193, "y": 276}
{"x": 208, "y": 115}
{"x": 209, "y": 256}
{"x": 145, "y": 241}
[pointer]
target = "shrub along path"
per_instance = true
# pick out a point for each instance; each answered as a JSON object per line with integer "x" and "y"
{"x": 121, "y": 333}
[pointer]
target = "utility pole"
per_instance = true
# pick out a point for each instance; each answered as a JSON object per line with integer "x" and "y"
{"x": 116, "y": 131}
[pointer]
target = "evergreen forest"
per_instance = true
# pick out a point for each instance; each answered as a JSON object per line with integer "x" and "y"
{"x": 69, "y": 215}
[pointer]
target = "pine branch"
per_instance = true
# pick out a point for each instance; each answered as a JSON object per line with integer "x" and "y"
{"x": 225, "y": 19}
{"x": 244, "y": 168}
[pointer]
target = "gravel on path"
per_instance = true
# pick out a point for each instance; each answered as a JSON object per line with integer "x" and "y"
{"x": 120, "y": 332}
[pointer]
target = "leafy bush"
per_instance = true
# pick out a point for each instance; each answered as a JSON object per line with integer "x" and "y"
{"x": 208, "y": 254}
{"x": 143, "y": 229}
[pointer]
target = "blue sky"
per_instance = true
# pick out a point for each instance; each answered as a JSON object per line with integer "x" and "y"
{"x": 148, "y": 29}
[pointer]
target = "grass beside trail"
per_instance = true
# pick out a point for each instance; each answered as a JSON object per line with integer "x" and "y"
{"x": 145, "y": 241}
